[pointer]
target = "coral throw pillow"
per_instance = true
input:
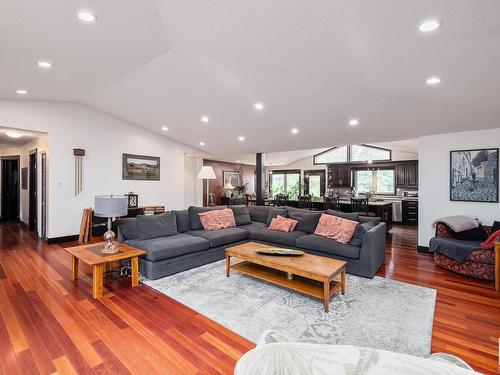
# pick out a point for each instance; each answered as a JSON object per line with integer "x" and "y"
{"x": 282, "y": 224}
{"x": 217, "y": 219}
{"x": 335, "y": 228}
{"x": 490, "y": 242}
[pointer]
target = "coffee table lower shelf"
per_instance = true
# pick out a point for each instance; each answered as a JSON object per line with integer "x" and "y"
{"x": 299, "y": 284}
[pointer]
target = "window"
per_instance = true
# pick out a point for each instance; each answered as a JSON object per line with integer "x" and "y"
{"x": 365, "y": 153}
{"x": 334, "y": 155}
{"x": 284, "y": 182}
{"x": 314, "y": 183}
{"x": 381, "y": 181}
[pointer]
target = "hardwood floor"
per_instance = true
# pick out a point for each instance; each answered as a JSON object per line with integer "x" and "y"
{"x": 49, "y": 324}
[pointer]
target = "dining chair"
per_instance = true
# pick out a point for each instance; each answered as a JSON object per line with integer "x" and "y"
{"x": 332, "y": 203}
{"x": 305, "y": 202}
{"x": 361, "y": 206}
{"x": 280, "y": 200}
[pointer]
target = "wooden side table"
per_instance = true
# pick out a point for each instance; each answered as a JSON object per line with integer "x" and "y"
{"x": 92, "y": 255}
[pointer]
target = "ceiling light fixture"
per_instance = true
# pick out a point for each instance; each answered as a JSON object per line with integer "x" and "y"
{"x": 164, "y": 128}
{"x": 204, "y": 119}
{"x": 238, "y": 161}
{"x": 241, "y": 138}
{"x": 86, "y": 16}
{"x": 433, "y": 81}
{"x": 14, "y": 134}
{"x": 202, "y": 143}
{"x": 259, "y": 106}
{"x": 294, "y": 131}
{"x": 44, "y": 64}
{"x": 353, "y": 122}
{"x": 430, "y": 25}
{"x": 21, "y": 92}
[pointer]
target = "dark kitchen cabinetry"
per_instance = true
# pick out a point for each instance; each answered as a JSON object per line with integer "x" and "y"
{"x": 410, "y": 212}
{"x": 339, "y": 176}
{"x": 407, "y": 174}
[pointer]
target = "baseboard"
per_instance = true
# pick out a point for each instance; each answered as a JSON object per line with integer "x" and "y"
{"x": 55, "y": 240}
{"x": 423, "y": 249}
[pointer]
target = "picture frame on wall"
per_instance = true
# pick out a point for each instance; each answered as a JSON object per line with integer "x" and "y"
{"x": 140, "y": 167}
{"x": 474, "y": 175}
{"x": 24, "y": 178}
{"x": 232, "y": 177}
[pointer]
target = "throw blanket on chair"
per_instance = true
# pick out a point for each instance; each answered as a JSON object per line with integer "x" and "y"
{"x": 458, "y": 223}
{"x": 457, "y": 250}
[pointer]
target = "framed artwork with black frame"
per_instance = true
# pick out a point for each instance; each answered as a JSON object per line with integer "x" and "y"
{"x": 24, "y": 178}
{"x": 474, "y": 175}
{"x": 140, "y": 167}
{"x": 232, "y": 177}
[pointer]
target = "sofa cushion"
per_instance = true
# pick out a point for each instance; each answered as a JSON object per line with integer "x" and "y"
{"x": 354, "y": 216}
{"x": 336, "y": 228}
{"x": 128, "y": 227}
{"x": 252, "y": 227}
{"x": 279, "y": 238}
{"x": 282, "y": 224}
{"x": 169, "y": 247}
{"x": 475, "y": 234}
{"x": 241, "y": 215}
{"x": 370, "y": 219}
{"x": 360, "y": 232}
{"x": 182, "y": 218}
{"x": 307, "y": 220}
{"x": 274, "y": 212}
{"x": 259, "y": 213}
{"x": 332, "y": 247}
{"x": 194, "y": 219}
{"x": 221, "y": 237}
{"x": 154, "y": 226}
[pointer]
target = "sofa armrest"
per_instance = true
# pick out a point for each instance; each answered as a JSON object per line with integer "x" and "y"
{"x": 372, "y": 253}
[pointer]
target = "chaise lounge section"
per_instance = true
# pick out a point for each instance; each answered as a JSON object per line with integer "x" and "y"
{"x": 176, "y": 241}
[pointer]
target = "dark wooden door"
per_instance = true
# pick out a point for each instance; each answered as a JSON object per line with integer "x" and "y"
{"x": 33, "y": 210}
{"x": 400, "y": 175}
{"x": 412, "y": 175}
{"x": 10, "y": 189}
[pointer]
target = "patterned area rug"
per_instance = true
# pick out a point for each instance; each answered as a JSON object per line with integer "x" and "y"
{"x": 378, "y": 313}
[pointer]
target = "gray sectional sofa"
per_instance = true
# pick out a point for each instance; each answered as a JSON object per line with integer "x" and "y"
{"x": 176, "y": 241}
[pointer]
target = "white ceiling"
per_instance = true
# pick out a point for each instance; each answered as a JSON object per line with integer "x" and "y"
{"x": 26, "y": 137}
{"x": 314, "y": 64}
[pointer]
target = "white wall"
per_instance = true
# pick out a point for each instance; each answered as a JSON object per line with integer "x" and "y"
{"x": 434, "y": 179}
{"x": 193, "y": 188}
{"x": 104, "y": 138}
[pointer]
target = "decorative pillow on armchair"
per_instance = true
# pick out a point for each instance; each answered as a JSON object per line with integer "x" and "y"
{"x": 335, "y": 228}
{"x": 282, "y": 224}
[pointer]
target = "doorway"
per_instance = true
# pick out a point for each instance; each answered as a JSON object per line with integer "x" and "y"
{"x": 43, "y": 226}
{"x": 33, "y": 211}
{"x": 314, "y": 183}
{"x": 10, "y": 188}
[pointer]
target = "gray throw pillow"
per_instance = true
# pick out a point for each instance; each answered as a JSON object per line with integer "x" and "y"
{"x": 307, "y": 220}
{"x": 182, "y": 218}
{"x": 127, "y": 227}
{"x": 274, "y": 212}
{"x": 344, "y": 215}
{"x": 360, "y": 232}
{"x": 259, "y": 213}
{"x": 154, "y": 226}
{"x": 241, "y": 215}
{"x": 194, "y": 218}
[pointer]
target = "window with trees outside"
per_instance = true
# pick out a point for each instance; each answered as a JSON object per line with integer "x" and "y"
{"x": 381, "y": 181}
{"x": 352, "y": 153}
{"x": 334, "y": 155}
{"x": 366, "y": 153}
{"x": 285, "y": 182}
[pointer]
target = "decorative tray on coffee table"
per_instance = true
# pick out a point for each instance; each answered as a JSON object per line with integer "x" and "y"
{"x": 279, "y": 251}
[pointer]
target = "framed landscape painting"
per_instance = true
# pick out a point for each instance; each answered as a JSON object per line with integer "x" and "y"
{"x": 474, "y": 175}
{"x": 140, "y": 167}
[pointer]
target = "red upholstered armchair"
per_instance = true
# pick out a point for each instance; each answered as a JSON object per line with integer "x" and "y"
{"x": 480, "y": 264}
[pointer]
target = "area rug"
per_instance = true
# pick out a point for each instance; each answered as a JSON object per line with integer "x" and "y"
{"x": 378, "y": 313}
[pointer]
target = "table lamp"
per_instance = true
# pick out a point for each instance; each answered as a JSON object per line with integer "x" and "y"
{"x": 110, "y": 206}
{"x": 207, "y": 173}
{"x": 228, "y": 188}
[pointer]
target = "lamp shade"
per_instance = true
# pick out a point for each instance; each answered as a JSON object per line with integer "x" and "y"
{"x": 228, "y": 186}
{"x": 110, "y": 205}
{"x": 207, "y": 172}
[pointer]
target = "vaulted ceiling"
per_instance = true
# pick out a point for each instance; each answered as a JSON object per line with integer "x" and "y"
{"x": 313, "y": 64}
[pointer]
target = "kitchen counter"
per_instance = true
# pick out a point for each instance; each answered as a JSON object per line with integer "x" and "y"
{"x": 370, "y": 203}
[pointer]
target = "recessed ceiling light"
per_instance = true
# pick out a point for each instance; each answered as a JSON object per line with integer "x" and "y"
{"x": 294, "y": 131}
{"x": 204, "y": 119}
{"x": 164, "y": 128}
{"x": 14, "y": 134}
{"x": 44, "y": 64}
{"x": 353, "y": 122}
{"x": 430, "y": 25}
{"x": 86, "y": 16}
{"x": 434, "y": 81}
{"x": 241, "y": 138}
{"x": 21, "y": 92}
{"x": 259, "y": 106}
{"x": 202, "y": 143}
{"x": 238, "y": 161}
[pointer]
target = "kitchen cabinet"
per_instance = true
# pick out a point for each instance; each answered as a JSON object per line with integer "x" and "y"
{"x": 410, "y": 212}
{"x": 407, "y": 174}
{"x": 339, "y": 176}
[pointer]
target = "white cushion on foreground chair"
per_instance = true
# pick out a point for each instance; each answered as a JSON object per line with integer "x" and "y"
{"x": 296, "y": 358}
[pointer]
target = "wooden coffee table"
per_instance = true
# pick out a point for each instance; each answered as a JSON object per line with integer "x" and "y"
{"x": 309, "y": 274}
{"x": 92, "y": 255}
